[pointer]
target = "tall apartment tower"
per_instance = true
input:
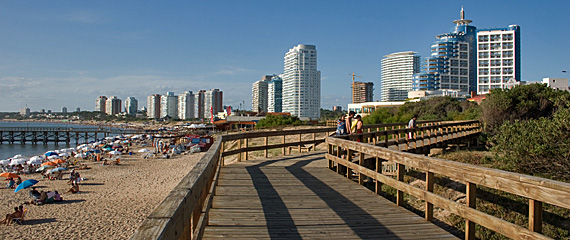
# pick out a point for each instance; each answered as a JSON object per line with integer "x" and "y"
{"x": 362, "y": 92}
{"x": 213, "y": 102}
{"x": 274, "y": 94}
{"x": 302, "y": 82}
{"x": 451, "y": 65}
{"x": 186, "y": 105}
{"x": 199, "y": 104}
{"x": 100, "y": 104}
{"x": 131, "y": 106}
{"x": 153, "y": 106}
{"x": 398, "y": 70}
{"x": 169, "y": 105}
{"x": 259, "y": 94}
{"x": 498, "y": 52}
{"x": 113, "y": 106}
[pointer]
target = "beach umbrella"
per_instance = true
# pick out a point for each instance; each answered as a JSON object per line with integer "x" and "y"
{"x": 65, "y": 154}
{"x": 86, "y": 149}
{"x": 4, "y": 162}
{"x": 9, "y": 175}
{"x": 26, "y": 184}
{"x": 32, "y": 162}
{"x": 50, "y": 153}
{"x": 58, "y": 161}
{"x": 34, "y": 158}
{"x": 57, "y": 169}
{"x": 49, "y": 164}
{"x": 143, "y": 150}
{"x": 80, "y": 155}
{"x": 97, "y": 151}
{"x": 115, "y": 153}
{"x": 18, "y": 156}
{"x": 43, "y": 168}
{"x": 17, "y": 161}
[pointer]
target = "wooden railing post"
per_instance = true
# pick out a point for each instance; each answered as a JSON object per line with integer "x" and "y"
{"x": 535, "y": 216}
{"x": 378, "y": 185}
{"x": 283, "y": 141}
{"x": 429, "y": 188}
{"x": 400, "y": 194}
{"x": 300, "y": 136}
{"x": 349, "y": 159}
{"x": 360, "y": 175}
{"x": 246, "y": 154}
{"x": 221, "y": 154}
{"x": 314, "y": 144}
{"x": 265, "y": 143}
{"x": 470, "y": 201}
{"x": 239, "y": 147}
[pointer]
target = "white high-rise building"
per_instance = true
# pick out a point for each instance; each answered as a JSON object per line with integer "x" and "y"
{"x": 186, "y": 105}
{"x": 169, "y": 105}
{"x": 100, "y": 104}
{"x": 397, "y": 75}
{"x": 199, "y": 104}
{"x": 498, "y": 57}
{"x": 153, "y": 106}
{"x": 302, "y": 82}
{"x": 131, "y": 106}
{"x": 113, "y": 105}
{"x": 259, "y": 96}
{"x": 213, "y": 103}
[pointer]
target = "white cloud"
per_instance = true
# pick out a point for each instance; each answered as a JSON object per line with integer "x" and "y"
{"x": 86, "y": 17}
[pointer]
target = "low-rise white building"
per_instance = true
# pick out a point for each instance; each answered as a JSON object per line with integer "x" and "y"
{"x": 557, "y": 83}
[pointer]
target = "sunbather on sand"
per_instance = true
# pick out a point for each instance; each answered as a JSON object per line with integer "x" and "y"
{"x": 10, "y": 217}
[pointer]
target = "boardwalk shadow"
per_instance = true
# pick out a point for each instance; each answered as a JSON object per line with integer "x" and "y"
{"x": 272, "y": 204}
{"x": 360, "y": 221}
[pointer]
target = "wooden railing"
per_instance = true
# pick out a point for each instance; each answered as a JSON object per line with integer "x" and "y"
{"x": 537, "y": 190}
{"x": 183, "y": 214}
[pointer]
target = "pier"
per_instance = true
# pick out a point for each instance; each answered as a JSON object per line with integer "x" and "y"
{"x": 45, "y": 135}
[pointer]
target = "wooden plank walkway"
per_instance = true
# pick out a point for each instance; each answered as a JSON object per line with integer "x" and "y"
{"x": 297, "y": 197}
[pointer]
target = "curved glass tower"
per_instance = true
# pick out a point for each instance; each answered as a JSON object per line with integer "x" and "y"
{"x": 451, "y": 64}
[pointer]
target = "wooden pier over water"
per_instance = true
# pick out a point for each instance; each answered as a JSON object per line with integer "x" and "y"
{"x": 334, "y": 193}
{"x": 56, "y": 135}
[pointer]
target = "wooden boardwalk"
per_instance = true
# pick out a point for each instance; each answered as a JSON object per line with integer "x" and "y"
{"x": 297, "y": 197}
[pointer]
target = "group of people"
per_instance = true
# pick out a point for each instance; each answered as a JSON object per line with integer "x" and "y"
{"x": 13, "y": 183}
{"x": 42, "y": 197}
{"x": 349, "y": 124}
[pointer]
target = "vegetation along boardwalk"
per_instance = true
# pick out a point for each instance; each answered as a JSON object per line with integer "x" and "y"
{"x": 296, "y": 197}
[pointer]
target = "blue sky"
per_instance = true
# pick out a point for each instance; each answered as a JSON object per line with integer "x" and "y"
{"x": 67, "y": 53}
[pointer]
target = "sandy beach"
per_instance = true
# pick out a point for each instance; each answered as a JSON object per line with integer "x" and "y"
{"x": 113, "y": 200}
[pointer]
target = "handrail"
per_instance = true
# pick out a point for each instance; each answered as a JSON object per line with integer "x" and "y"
{"x": 538, "y": 190}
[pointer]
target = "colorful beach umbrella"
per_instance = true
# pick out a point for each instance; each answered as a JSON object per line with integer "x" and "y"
{"x": 26, "y": 184}
{"x": 51, "y": 153}
{"x": 43, "y": 168}
{"x": 9, "y": 175}
{"x": 58, "y": 161}
{"x": 57, "y": 169}
{"x": 49, "y": 163}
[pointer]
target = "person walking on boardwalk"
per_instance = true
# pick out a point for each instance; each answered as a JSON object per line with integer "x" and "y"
{"x": 412, "y": 124}
{"x": 350, "y": 124}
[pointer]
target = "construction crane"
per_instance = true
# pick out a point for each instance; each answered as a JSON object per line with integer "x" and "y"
{"x": 354, "y": 75}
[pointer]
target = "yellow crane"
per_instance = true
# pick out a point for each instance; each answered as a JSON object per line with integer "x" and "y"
{"x": 354, "y": 75}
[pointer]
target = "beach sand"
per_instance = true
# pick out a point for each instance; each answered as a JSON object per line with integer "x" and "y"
{"x": 111, "y": 204}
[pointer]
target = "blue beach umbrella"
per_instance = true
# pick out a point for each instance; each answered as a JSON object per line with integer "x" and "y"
{"x": 51, "y": 153}
{"x": 57, "y": 169}
{"x": 26, "y": 184}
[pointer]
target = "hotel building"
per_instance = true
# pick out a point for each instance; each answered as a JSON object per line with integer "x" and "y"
{"x": 186, "y": 105}
{"x": 498, "y": 52}
{"x": 100, "y": 104}
{"x": 275, "y": 94}
{"x": 302, "y": 82}
{"x": 397, "y": 75}
{"x": 113, "y": 106}
{"x": 131, "y": 106}
{"x": 259, "y": 93}
{"x": 153, "y": 106}
{"x": 213, "y": 103}
{"x": 169, "y": 105}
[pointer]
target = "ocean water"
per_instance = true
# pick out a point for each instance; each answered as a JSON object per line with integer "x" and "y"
{"x": 9, "y": 150}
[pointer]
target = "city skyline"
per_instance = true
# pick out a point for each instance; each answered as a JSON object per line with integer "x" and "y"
{"x": 58, "y": 53}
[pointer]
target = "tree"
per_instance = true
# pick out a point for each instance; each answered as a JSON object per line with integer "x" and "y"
{"x": 278, "y": 120}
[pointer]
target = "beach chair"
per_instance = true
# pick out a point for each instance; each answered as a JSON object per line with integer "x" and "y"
{"x": 20, "y": 220}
